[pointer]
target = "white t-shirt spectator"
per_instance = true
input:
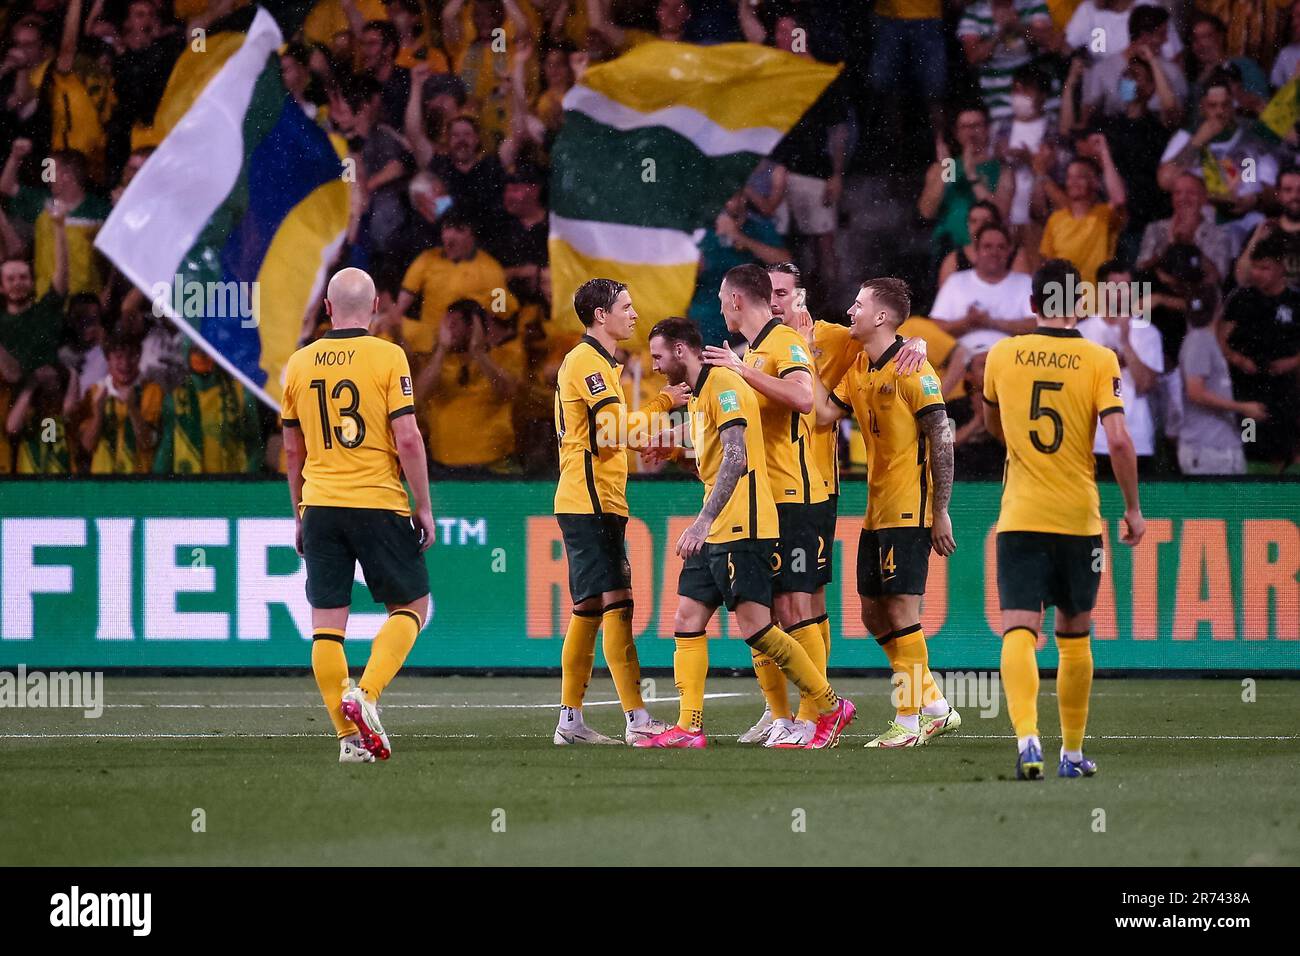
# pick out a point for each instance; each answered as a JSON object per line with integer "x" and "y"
{"x": 1088, "y": 19}
{"x": 1029, "y": 134}
{"x": 1149, "y": 346}
{"x": 1284, "y": 66}
{"x": 1101, "y": 85}
{"x": 1008, "y": 54}
{"x": 1008, "y": 299}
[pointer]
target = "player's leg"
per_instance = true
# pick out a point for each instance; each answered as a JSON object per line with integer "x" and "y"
{"x": 697, "y": 598}
{"x": 387, "y": 547}
{"x": 1078, "y": 566}
{"x": 1023, "y": 568}
{"x": 743, "y": 576}
{"x": 797, "y": 578}
{"x": 777, "y": 717}
{"x": 330, "y": 566}
{"x": 595, "y": 566}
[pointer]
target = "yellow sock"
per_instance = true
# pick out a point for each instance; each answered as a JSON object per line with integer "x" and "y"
{"x": 824, "y": 624}
{"x": 388, "y": 651}
{"x": 1020, "y": 679}
{"x": 330, "y": 665}
{"x": 796, "y": 665}
{"x": 577, "y": 657}
{"x": 690, "y": 668}
{"x": 909, "y": 663}
{"x": 809, "y": 636}
{"x": 620, "y": 654}
{"x": 1073, "y": 686}
{"x": 773, "y": 685}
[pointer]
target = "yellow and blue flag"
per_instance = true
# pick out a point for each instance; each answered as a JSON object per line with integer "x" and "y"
{"x": 231, "y": 223}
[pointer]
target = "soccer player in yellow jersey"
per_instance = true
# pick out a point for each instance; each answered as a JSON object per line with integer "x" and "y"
{"x": 349, "y": 425}
{"x": 904, "y": 424}
{"x": 777, "y": 366}
{"x": 727, "y": 550}
{"x": 594, "y": 429}
{"x": 1043, "y": 395}
{"x": 833, "y": 351}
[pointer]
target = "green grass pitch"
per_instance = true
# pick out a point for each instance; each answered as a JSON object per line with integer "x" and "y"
{"x": 1189, "y": 774}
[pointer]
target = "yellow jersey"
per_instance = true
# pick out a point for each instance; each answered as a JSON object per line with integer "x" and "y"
{"x": 721, "y": 399}
{"x": 342, "y": 391}
{"x": 888, "y": 407}
{"x": 779, "y": 350}
{"x": 438, "y": 282}
{"x": 1051, "y": 387}
{"x": 834, "y": 350}
{"x": 464, "y": 394}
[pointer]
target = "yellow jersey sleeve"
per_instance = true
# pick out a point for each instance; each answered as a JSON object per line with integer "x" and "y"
{"x": 843, "y": 393}
{"x": 413, "y": 281}
{"x": 992, "y": 366}
{"x": 792, "y": 355}
{"x": 1108, "y": 390}
{"x": 399, "y": 393}
{"x": 921, "y": 391}
{"x": 289, "y": 396}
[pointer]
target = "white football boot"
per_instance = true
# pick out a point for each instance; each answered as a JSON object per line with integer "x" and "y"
{"x": 781, "y": 728}
{"x": 351, "y": 751}
{"x": 644, "y": 730}
{"x": 574, "y": 731}
{"x": 366, "y": 716}
{"x": 800, "y": 734}
{"x": 758, "y": 733}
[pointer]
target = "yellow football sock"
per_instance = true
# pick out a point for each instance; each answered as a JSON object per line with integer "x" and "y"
{"x": 824, "y": 624}
{"x": 909, "y": 664}
{"x": 577, "y": 657}
{"x": 1073, "y": 686}
{"x": 796, "y": 665}
{"x": 388, "y": 651}
{"x": 330, "y": 665}
{"x": 690, "y": 668}
{"x": 773, "y": 685}
{"x": 1020, "y": 679}
{"x": 809, "y": 636}
{"x": 620, "y": 654}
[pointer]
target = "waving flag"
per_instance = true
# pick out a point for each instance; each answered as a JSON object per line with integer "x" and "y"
{"x": 229, "y": 226}
{"x": 653, "y": 145}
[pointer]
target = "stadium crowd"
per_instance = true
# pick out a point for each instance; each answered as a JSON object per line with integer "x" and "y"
{"x": 1153, "y": 146}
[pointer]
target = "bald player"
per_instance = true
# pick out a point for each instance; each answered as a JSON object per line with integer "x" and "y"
{"x": 349, "y": 433}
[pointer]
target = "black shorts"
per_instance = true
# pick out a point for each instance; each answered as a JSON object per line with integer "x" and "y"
{"x": 830, "y": 515}
{"x": 384, "y": 543}
{"x": 1037, "y": 569}
{"x": 729, "y": 574}
{"x": 800, "y": 551}
{"x": 597, "y": 554}
{"x": 893, "y": 561}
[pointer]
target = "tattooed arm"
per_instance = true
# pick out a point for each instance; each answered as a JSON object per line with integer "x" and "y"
{"x": 734, "y": 464}
{"x": 935, "y": 427}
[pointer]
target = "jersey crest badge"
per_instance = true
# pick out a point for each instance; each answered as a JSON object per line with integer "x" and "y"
{"x": 728, "y": 401}
{"x": 797, "y": 354}
{"x": 405, "y": 382}
{"x": 1118, "y": 385}
{"x": 596, "y": 383}
{"x": 929, "y": 385}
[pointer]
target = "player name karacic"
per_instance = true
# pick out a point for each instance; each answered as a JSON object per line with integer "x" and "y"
{"x": 1045, "y": 359}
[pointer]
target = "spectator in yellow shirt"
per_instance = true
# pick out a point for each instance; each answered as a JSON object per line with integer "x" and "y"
{"x": 466, "y": 390}
{"x": 1083, "y": 229}
{"x": 459, "y": 270}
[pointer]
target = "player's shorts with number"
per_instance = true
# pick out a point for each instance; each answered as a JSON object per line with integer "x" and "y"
{"x": 829, "y": 514}
{"x": 893, "y": 561}
{"x": 729, "y": 574}
{"x": 801, "y": 549}
{"x": 1039, "y": 569}
{"x": 384, "y": 543}
{"x": 597, "y": 554}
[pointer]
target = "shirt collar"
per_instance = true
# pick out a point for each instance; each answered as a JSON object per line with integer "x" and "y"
{"x": 887, "y": 354}
{"x": 764, "y": 332}
{"x": 590, "y": 340}
{"x": 344, "y": 333}
{"x": 699, "y": 382}
{"x": 1058, "y": 333}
